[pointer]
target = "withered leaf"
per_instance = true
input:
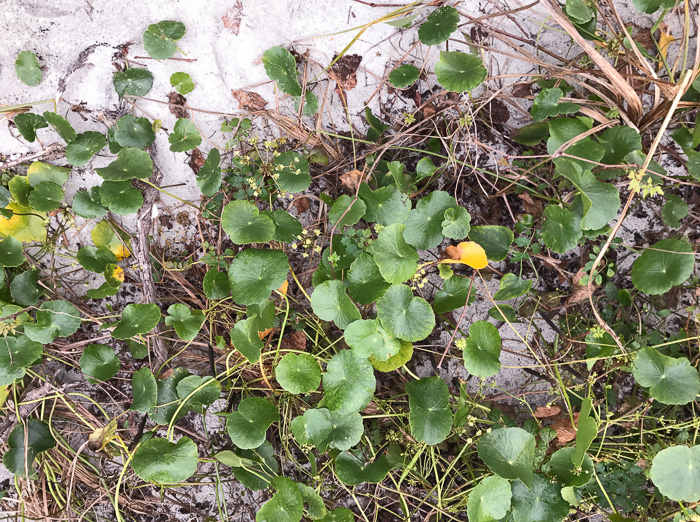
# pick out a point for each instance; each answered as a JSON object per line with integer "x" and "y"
{"x": 232, "y": 18}
{"x": 344, "y": 71}
{"x": 177, "y": 102}
{"x": 351, "y": 180}
{"x": 249, "y": 101}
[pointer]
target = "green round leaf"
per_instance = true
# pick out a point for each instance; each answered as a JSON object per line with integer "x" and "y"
{"x": 17, "y": 353}
{"x": 114, "y": 275}
{"x": 83, "y": 147}
{"x": 345, "y": 212}
{"x": 651, "y": 6}
{"x": 158, "y": 460}
{"x": 532, "y": 134}
{"x": 243, "y": 222}
{"x": 95, "y": 259}
{"x": 99, "y": 362}
{"x": 61, "y": 125}
{"x": 137, "y": 319}
{"x": 456, "y": 223}
{"x": 430, "y": 416}
{"x": 439, "y": 26}
{"x": 287, "y": 227}
{"x": 39, "y": 172}
{"x": 53, "y": 319}
{"x": 187, "y": 323}
{"x": 28, "y": 123}
{"x": 328, "y": 429}
{"x": 198, "y": 392}
{"x": 546, "y": 104}
{"x": 20, "y": 188}
{"x": 185, "y": 136}
{"x": 28, "y": 69}
{"x": 511, "y": 286}
{"x": 182, "y": 82}
{"x": 248, "y": 425}
{"x": 453, "y": 295}
{"x": 132, "y": 82}
{"x": 562, "y": 468}
{"x": 159, "y": 39}
{"x": 353, "y": 471}
{"x": 365, "y": 282}
{"x": 298, "y": 373}
{"x": 600, "y": 200}
{"x": 368, "y": 338}
{"x": 386, "y": 205}
{"x": 25, "y": 289}
{"x": 285, "y": 506}
{"x": 24, "y": 447}
{"x": 619, "y": 142}
{"x": 666, "y": 264}
{"x": 405, "y": 316}
{"x": 483, "y": 350}
{"x": 245, "y": 338}
{"x": 395, "y": 361}
{"x": 120, "y": 197}
{"x": 46, "y": 196}
{"x": 216, "y": 285}
{"x": 397, "y": 260}
{"x": 670, "y": 380}
{"x": 424, "y": 224}
{"x": 209, "y": 176}
{"x": 293, "y": 170}
{"x": 11, "y": 252}
{"x": 330, "y": 303}
{"x": 489, "y": 501}
{"x": 404, "y": 76}
{"x": 541, "y": 502}
{"x": 254, "y": 274}
{"x": 252, "y": 468}
{"x": 674, "y": 211}
{"x": 133, "y": 132}
{"x": 676, "y": 472}
{"x": 281, "y": 67}
{"x": 459, "y": 72}
{"x": 348, "y": 383}
{"x": 561, "y": 229}
{"x": 144, "y": 389}
{"x": 88, "y": 204}
{"x": 509, "y": 452}
{"x": 494, "y": 239}
{"x": 104, "y": 236}
{"x": 168, "y": 401}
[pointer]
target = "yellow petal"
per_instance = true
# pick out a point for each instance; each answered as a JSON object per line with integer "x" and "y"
{"x": 283, "y": 289}
{"x": 665, "y": 40}
{"x": 472, "y": 254}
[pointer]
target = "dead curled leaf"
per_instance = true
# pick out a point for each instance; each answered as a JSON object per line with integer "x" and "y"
{"x": 579, "y": 292}
{"x": 196, "y": 160}
{"x": 565, "y": 431}
{"x": 232, "y": 18}
{"x": 344, "y": 71}
{"x": 531, "y": 206}
{"x": 301, "y": 204}
{"x": 248, "y": 100}
{"x": 351, "y": 180}
{"x": 543, "y": 412}
{"x": 295, "y": 341}
{"x": 177, "y": 102}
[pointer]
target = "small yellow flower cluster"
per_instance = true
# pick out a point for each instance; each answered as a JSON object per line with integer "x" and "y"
{"x": 418, "y": 280}
{"x": 307, "y": 242}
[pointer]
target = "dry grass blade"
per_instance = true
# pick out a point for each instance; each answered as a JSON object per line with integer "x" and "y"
{"x": 618, "y": 83}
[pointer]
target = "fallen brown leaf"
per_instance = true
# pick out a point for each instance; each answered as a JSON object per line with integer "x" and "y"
{"x": 531, "y": 206}
{"x": 344, "y": 71}
{"x": 301, "y": 204}
{"x": 248, "y": 100}
{"x": 196, "y": 160}
{"x": 295, "y": 341}
{"x": 177, "y": 102}
{"x": 543, "y": 413}
{"x": 351, "y": 180}
{"x": 232, "y": 18}
{"x": 579, "y": 292}
{"x": 565, "y": 431}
